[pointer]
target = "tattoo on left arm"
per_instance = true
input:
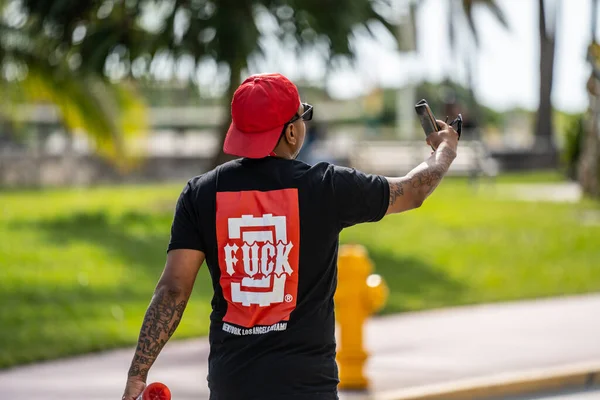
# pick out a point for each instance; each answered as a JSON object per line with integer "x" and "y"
{"x": 396, "y": 190}
{"x": 160, "y": 322}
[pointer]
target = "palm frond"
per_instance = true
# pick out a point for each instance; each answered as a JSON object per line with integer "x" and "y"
{"x": 110, "y": 116}
{"x": 491, "y": 5}
{"x": 498, "y": 13}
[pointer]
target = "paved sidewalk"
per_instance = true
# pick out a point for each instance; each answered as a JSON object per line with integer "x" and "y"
{"x": 569, "y": 192}
{"x": 408, "y": 350}
{"x": 591, "y": 394}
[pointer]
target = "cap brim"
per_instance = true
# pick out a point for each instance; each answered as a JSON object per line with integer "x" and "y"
{"x": 251, "y": 145}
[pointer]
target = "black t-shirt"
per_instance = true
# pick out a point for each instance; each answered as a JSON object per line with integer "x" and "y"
{"x": 270, "y": 231}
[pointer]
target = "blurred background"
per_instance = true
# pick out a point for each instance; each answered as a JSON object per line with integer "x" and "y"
{"x": 108, "y": 107}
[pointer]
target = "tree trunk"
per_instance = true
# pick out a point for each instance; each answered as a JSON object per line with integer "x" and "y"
{"x": 475, "y": 108}
{"x": 544, "y": 129}
{"x": 594, "y": 23}
{"x": 589, "y": 162}
{"x": 234, "y": 81}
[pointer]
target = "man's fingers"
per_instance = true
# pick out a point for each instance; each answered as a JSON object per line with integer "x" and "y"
{"x": 441, "y": 124}
{"x": 445, "y": 127}
{"x": 452, "y": 130}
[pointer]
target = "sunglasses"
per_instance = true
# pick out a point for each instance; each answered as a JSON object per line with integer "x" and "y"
{"x": 457, "y": 124}
{"x": 307, "y": 113}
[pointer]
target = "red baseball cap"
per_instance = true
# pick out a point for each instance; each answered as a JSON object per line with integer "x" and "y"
{"x": 260, "y": 108}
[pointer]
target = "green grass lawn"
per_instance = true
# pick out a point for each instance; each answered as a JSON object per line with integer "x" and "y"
{"x": 77, "y": 267}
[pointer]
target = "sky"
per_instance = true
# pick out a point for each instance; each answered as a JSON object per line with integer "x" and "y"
{"x": 507, "y": 67}
{"x": 506, "y": 70}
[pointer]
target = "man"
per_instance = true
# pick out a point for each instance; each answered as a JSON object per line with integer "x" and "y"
{"x": 268, "y": 228}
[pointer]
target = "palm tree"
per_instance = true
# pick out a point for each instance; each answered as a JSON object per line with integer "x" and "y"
{"x": 465, "y": 8}
{"x": 110, "y": 115}
{"x": 547, "y": 26}
{"x": 225, "y": 31}
{"x": 589, "y": 162}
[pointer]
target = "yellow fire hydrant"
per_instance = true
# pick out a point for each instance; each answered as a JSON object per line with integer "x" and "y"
{"x": 359, "y": 295}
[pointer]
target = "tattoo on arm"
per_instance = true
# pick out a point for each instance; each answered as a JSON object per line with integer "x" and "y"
{"x": 139, "y": 368}
{"x": 160, "y": 322}
{"x": 429, "y": 178}
{"x": 396, "y": 190}
{"x": 422, "y": 180}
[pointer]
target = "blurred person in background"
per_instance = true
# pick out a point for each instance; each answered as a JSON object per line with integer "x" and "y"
{"x": 268, "y": 227}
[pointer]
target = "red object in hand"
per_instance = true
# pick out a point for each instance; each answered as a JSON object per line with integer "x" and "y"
{"x": 156, "y": 391}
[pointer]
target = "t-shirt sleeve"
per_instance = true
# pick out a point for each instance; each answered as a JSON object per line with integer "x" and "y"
{"x": 359, "y": 197}
{"x": 186, "y": 232}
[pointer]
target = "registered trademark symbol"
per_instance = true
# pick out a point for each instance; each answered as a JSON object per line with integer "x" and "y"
{"x": 288, "y": 298}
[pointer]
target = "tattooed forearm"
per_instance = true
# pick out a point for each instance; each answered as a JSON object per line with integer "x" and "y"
{"x": 411, "y": 190}
{"x": 429, "y": 178}
{"x": 160, "y": 322}
{"x": 138, "y": 371}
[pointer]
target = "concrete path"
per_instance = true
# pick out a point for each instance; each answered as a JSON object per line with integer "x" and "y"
{"x": 564, "y": 192}
{"x": 408, "y": 351}
{"x": 587, "y": 395}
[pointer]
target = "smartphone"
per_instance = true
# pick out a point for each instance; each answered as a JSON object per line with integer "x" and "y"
{"x": 426, "y": 117}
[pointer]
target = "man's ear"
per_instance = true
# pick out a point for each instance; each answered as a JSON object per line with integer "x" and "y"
{"x": 290, "y": 135}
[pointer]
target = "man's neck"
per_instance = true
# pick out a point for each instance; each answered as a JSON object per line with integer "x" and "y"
{"x": 281, "y": 153}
